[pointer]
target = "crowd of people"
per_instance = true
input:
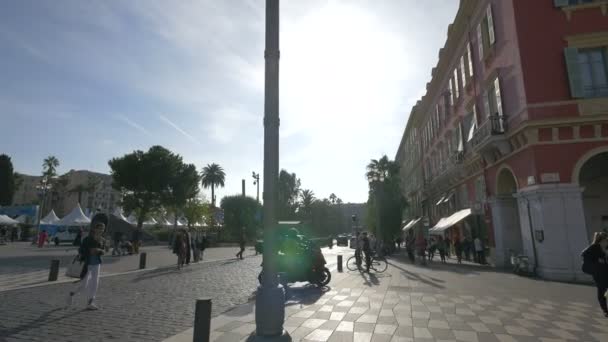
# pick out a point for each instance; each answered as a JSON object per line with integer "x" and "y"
{"x": 425, "y": 249}
{"x": 188, "y": 248}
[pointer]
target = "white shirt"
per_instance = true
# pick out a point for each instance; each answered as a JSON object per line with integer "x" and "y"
{"x": 478, "y": 246}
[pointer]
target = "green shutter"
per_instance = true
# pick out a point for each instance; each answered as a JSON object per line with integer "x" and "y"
{"x": 491, "y": 33}
{"x": 574, "y": 72}
{"x": 561, "y": 3}
{"x": 480, "y": 41}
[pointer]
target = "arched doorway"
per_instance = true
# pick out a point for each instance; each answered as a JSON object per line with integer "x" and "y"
{"x": 593, "y": 178}
{"x": 505, "y": 217}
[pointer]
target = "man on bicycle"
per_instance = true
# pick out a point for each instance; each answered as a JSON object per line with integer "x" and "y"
{"x": 367, "y": 251}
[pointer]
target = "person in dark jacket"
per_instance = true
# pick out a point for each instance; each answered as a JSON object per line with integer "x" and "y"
{"x": 596, "y": 264}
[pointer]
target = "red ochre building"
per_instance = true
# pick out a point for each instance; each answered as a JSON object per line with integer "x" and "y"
{"x": 510, "y": 141}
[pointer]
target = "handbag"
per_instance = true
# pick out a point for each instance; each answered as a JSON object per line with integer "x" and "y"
{"x": 75, "y": 268}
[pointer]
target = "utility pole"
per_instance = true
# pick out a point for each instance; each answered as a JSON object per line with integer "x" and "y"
{"x": 243, "y": 186}
{"x": 270, "y": 298}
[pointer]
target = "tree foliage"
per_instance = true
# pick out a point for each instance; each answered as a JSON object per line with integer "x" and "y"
{"x": 196, "y": 211}
{"x": 288, "y": 194}
{"x": 144, "y": 179}
{"x": 385, "y": 200}
{"x": 183, "y": 186}
{"x": 213, "y": 176}
{"x": 49, "y": 166}
{"x": 241, "y": 212}
{"x": 7, "y": 180}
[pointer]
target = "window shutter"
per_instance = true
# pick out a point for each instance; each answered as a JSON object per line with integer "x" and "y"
{"x": 491, "y": 33}
{"x": 498, "y": 97}
{"x": 561, "y": 3}
{"x": 465, "y": 74}
{"x": 480, "y": 41}
{"x": 574, "y": 72}
{"x": 460, "y": 142}
{"x": 470, "y": 57}
{"x": 451, "y": 91}
{"x": 486, "y": 103}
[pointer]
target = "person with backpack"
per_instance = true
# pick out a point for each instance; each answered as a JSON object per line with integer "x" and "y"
{"x": 90, "y": 251}
{"x": 595, "y": 264}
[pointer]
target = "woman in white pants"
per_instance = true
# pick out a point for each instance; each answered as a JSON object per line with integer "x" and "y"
{"x": 91, "y": 250}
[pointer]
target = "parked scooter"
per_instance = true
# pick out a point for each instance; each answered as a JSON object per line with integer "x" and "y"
{"x": 307, "y": 266}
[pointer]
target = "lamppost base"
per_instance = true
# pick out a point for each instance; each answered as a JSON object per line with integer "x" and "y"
{"x": 270, "y": 313}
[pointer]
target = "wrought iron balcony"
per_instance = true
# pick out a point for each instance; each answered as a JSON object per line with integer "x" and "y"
{"x": 493, "y": 126}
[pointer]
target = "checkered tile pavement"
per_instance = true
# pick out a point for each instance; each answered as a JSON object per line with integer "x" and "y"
{"x": 402, "y": 305}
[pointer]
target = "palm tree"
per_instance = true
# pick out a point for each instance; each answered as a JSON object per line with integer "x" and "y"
{"x": 382, "y": 167}
{"x": 339, "y": 201}
{"x": 213, "y": 175}
{"x": 308, "y": 198}
{"x": 333, "y": 198}
{"x": 49, "y": 166}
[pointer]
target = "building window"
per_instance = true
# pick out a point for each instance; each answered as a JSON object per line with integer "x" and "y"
{"x": 473, "y": 125}
{"x": 470, "y": 60}
{"x": 486, "y": 35}
{"x": 594, "y": 74}
{"x": 493, "y": 106}
{"x": 451, "y": 85}
{"x": 457, "y": 84}
{"x": 480, "y": 189}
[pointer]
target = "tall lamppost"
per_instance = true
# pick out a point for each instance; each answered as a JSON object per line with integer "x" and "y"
{"x": 376, "y": 183}
{"x": 270, "y": 298}
{"x": 256, "y": 181}
{"x": 43, "y": 188}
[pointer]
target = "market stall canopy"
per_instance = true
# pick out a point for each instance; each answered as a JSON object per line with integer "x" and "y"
{"x": 21, "y": 219}
{"x": 150, "y": 222}
{"x": 411, "y": 224}
{"x": 449, "y": 221}
{"x": 7, "y": 221}
{"x": 118, "y": 213}
{"x": 75, "y": 218}
{"x": 50, "y": 218}
{"x": 132, "y": 219}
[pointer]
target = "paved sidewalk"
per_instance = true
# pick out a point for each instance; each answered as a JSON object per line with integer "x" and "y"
{"x": 23, "y": 265}
{"x": 435, "y": 303}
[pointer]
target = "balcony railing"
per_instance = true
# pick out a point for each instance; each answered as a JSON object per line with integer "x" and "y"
{"x": 494, "y": 125}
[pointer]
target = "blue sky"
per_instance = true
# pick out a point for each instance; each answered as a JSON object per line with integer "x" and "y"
{"x": 90, "y": 80}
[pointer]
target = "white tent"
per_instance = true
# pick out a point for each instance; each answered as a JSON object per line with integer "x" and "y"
{"x": 150, "y": 222}
{"x": 132, "y": 219}
{"x": 7, "y": 221}
{"x": 75, "y": 218}
{"x": 118, "y": 214}
{"x": 21, "y": 219}
{"x": 50, "y": 218}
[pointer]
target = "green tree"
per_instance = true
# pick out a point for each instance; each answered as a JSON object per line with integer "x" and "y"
{"x": 49, "y": 166}
{"x": 196, "y": 211}
{"x": 241, "y": 212}
{"x": 7, "y": 180}
{"x": 288, "y": 194}
{"x": 213, "y": 175}
{"x": 183, "y": 186}
{"x": 385, "y": 200}
{"x": 307, "y": 198}
{"x": 144, "y": 178}
{"x": 332, "y": 198}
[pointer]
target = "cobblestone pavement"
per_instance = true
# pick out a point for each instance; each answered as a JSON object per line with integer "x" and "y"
{"x": 435, "y": 303}
{"x": 24, "y": 265}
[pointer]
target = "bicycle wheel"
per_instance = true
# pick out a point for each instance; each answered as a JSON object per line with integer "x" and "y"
{"x": 379, "y": 265}
{"x": 351, "y": 264}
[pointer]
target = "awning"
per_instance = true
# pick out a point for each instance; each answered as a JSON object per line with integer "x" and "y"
{"x": 440, "y": 200}
{"x": 448, "y": 198}
{"x": 5, "y": 220}
{"x": 449, "y": 221}
{"x": 411, "y": 224}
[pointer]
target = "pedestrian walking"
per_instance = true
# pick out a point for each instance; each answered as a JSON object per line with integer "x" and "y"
{"x": 14, "y": 234}
{"x": 239, "y": 255}
{"x": 136, "y": 240}
{"x": 421, "y": 247}
{"x": 458, "y": 250}
{"x": 367, "y": 251}
{"x": 441, "y": 246}
{"x": 90, "y": 251}
{"x": 78, "y": 239}
{"x": 203, "y": 245}
{"x": 179, "y": 248}
{"x": 466, "y": 247}
{"x": 410, "y": 246}
{"x": 188, "y": 245}
{"x": 358, "y": 248}
{"x": 448, "y": 247}
{"x": 595, "y": 264}
{"x": 42, "y": 238}
{"x": 479, "y": 252}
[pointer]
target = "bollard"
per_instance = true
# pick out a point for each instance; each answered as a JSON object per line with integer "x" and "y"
{"x": 54, "y": 270}
{"x": 142, "y": 261}
{"x": 202, "y": 320}
{"x": 339, "y": 263}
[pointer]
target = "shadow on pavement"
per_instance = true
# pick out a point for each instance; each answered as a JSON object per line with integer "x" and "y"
{"x": 307, "y": 294}
{"x": 159, "y": 272}
{"x": 39, "y": 322}
{"x": 418, "y": 277}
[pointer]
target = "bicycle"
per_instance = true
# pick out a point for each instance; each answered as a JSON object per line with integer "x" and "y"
{"x": 378, "y": 264}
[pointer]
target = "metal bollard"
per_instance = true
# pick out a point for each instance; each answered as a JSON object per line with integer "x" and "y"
{"x": 54, "y": 272}
{"x": 142, "y": 261}
{"x": 202, "y": 320}
{"x": 340, "y": 263}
